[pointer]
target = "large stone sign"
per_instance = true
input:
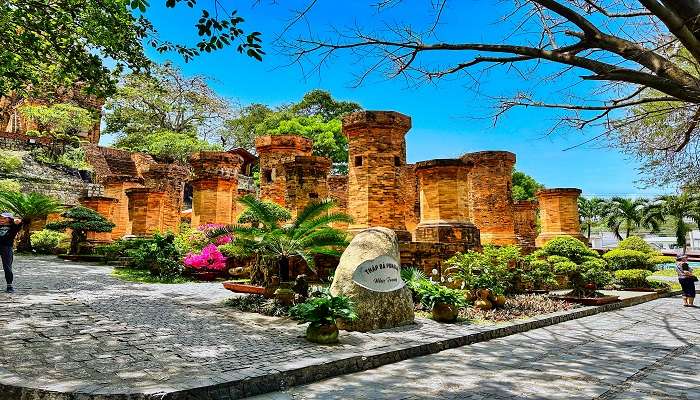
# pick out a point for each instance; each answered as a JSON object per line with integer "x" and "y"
{"x": 369, "y": 274}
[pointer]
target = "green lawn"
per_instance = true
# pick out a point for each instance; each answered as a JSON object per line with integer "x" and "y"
{"x": 143, "y": 276}
{"x": 671, "y": 272}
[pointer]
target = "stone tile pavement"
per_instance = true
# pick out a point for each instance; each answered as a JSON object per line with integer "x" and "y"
{"x": 72, "y": 331}
{"x": 647, "y": 351}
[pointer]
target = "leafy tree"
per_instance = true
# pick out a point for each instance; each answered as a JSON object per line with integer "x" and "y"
{"x": 68, "y": 41}
{"x": 591, "y": 212}
{"x": 524, "y": 186}
{"x": 678, "y": 209}
{"x": 625, "y": 54}
{"x": 165, "y": 100}
{"x": 30, "y": 207}
{"x": 317, "y": 116}
{"x": 274, "y": 242}
{"x": 80, "y": 220}
{"x": 170, "y": 146}
{"x": 58, "y": 119}
{"x": 628, "y": 215}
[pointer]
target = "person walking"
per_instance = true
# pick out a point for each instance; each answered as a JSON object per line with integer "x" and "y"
{"x": 687, "y": 280}
{"x": 9, "y": 227}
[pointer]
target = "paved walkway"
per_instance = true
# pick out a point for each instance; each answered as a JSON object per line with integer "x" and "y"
{"x": 648, "y": 351}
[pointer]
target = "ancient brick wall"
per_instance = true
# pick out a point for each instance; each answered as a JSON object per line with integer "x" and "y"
{"x": 147, "y": 209}
{"x": 525, "y": 222}
{"x": 215, "y": 187}
{"x": 116, "y": 187}
{"x": 305, "y": 180}
{"x": 169, "y": 179}
{"x": 444, "y": 203}
{"x": 273, "y": 151}
{"x": 490, "y": 195}
{"x": 429, "y": 256}
{"x": 338, "y": 191}
{"x": 410, "y": 197}
{"x": 559, "y": 214}
{"x": 377, "y": 154}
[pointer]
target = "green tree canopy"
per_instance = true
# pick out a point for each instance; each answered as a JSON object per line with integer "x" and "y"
{"x": 81, "y": 220}
{"x": 591, "y": 212}
{"x": 317, "y": 116}
{"x": 30, "y": 207}
{"x": 524, "y": 186}
{"x": 166, "y": 114}
{"x": 68, "y": 41}
{"x": 679, "y": 210}
{"x": 60, "y": 119}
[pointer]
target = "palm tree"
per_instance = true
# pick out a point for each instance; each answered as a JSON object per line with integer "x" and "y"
{"x": 627, "y": 214}
{"x": 590, "y": 211}
{"x": 679, "y": 209}
{"x": 274, "y": 242}
{"x": 30, "y": 207}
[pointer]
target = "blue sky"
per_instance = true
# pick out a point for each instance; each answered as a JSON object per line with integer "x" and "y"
{"x": 449, "y": 117}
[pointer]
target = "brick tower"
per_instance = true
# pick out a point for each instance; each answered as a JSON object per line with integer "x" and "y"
{"x": 273, "y": 151}
{"x": 525, "y": 222}
{"x": 490, "y": 195}
{"x": 444, "y": 203}
{"x": 305, "y": 180}
{"x": 377, "y": 152}
{"x": 559, "y": 214}
{"x": 215, "y": 187}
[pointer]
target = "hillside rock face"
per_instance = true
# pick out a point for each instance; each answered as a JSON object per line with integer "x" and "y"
{"x": 376, "y": 310}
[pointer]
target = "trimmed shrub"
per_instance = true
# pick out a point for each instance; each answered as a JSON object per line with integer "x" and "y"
{"x": 636, "y": 243}
{"x": 635, "y": 253}
{"x": 10, "y": 185}
{"x": 633, "y": 278}
{"x": 46, "y": 241}
{"x": 10, "y": 161}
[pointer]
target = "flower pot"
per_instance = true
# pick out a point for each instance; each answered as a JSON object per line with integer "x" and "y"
{"x": 483, "y": 304}
{"x": 322, "y": 334}
{"x": 443, "y": 312}
{"x": 207, "y": 276}
{"x": 483, "y": 293}
{"x": 500, "y": 301}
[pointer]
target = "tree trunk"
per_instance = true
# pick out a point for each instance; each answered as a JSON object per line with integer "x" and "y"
{"x": 589, "y": 232}
{"x": 284, "y": 269}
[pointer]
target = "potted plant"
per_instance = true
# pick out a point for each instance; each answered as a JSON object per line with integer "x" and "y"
{"x": 321, "y": 311}
{"x": 443, "y": 301}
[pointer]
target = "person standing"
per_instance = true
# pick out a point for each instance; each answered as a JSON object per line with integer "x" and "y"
{"x": 9, "y": 227}
{"x": 687, "y": 280}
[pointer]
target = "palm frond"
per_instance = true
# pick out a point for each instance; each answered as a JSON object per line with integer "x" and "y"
{"x": 258, "y": 209}
{"x": 313, "y": 210}
{"x": 320, "y": 222}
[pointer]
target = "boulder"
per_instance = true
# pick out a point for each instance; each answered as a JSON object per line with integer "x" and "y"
{"x": 375, "y": 309}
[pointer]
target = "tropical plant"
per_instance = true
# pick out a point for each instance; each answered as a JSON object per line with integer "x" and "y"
{"x": 81, "y": 220}
{"x": 432, "y": 293}
{"x": 627, "y": 215}
{"x": 46, "y": 241}
{"x": 591, "y": 211}
{"x": 278, "y": 213}
{"x": 633, "y": 278}
{"x": 29, "y": 207}
{"x": 209, "y": 259}
{"x": 582, "y": 266}
{"x": 323, "y": 309}
{"x": 678, "y": 209}
{"x": 494, "y": 269}
{"x": 537, "y": 274}
{"x": 274, "y": 244}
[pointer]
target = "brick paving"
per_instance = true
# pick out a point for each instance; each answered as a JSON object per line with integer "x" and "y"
{"x": 73, "y": 328}
{"x": 647, "y": 351}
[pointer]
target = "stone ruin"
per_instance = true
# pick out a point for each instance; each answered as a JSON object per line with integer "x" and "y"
{"x": 436, "y": 207}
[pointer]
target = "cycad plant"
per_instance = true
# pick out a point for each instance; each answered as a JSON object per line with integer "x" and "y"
{"x": 30, "y": 207}
{"x": 679, "y": 209}
{"x": 275, "y": 242}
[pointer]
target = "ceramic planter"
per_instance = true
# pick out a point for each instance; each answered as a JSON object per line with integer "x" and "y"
{"x": 284, "y": 296}
{"x": 443, "y": 312}
{"x": 499, "y": 301}
{"x": 483, "y": 304}
{"x": 322, "y": 334}
{"x": 244, "y": 288}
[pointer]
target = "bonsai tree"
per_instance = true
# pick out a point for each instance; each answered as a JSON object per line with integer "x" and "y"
{"x": 582, "y": 266}
{"x": 635, "y": 253}
{"x": 30, "y": 207}
{"x": 274, "y": 244}
{"x": 322, "y": 311}
{"x": 81, "y": 220}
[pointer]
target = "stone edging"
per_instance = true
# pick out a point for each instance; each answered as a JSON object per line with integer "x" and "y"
{"x": 255, "y": 385}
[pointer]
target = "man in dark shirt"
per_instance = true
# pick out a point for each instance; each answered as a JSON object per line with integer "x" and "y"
{"x": 9, "y": 227}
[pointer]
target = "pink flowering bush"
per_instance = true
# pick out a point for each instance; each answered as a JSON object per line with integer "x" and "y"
{"x": 209, "y": 259}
